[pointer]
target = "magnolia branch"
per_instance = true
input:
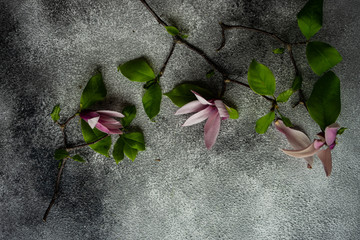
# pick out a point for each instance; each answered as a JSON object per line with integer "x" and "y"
{"x": 58, "y": 178}
{"x": 201, "y": 53}
{"x": 162, "y": 70}
{"x": 225, "y": 27}
{"x": 56, "y": 189}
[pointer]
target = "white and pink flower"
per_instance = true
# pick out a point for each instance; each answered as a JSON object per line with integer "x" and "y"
{"x": 304, "y": 148}
{"x": 103, "y": 120}
{"x": 213, "y": 110}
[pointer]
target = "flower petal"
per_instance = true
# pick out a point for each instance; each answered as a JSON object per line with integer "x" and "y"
{"x": 325, "y": 157}
{"x": 194, "y": 106}
{"x": 330, "y": 133}
{"x": 110, "y": 113}
{"x": 198, "y": 117}
{"x": 306, "y": 152}
{"x": 224, "y": 114}
{"x": 318, "y": 144}
{"x": 201, "y": 99}
{"x": 104, "y": 129}
{"x": 93, "y": 121}
{"x": 86, "y": 115}
{"x": 297, "y": 139}
{"x": 211, "y": 129}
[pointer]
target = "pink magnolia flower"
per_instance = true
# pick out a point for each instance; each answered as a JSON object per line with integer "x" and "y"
{"x": 213, "y": 110}
{"x": 103, "y": 120}
{"x": 303, "y": 148}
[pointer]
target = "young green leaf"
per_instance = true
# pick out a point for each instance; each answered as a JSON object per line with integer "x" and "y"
{"x": 341, "y": 130}
{"x": 285, "y": 120}
{"x": 137, "y": 70}
{"x": 284, "y": 96}
{"x": 210, "y": 74}
{"x": 261, "y": 79}
{"x": 263, "y": 123}
{"x": 135, "y": 140}
{"x": 324, "y": 104}
{"x": 182, "y": 94}
{"x": 118, "y": 152}
{"x": 130, "y": 152}
{"x": 279, "y": 50}
{"x": 61, "y": 154}
{"x": 149, "y": 83}
{"x": 321, "y": 56}
{"x": 233, "y": 113}
{"x": 296, "y": 85}
{"x": 152, "y": 100}
{"x": 55, "y": 113}
{"x": 310, "y": 18}
{"x": 129, "y": 113}
{"x": 78, "y": 158}
{"x": 94, "y": 91}
{"x": 172, "y": 30}
{"x": 91, "y": 135}
{"x": 184, "y": 36}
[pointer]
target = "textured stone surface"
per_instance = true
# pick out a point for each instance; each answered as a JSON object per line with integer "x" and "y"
{"x": 244, "y": 188}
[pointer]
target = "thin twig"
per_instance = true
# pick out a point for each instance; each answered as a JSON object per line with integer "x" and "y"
{"x": 225, "y": 27}
{"x": 160, "y": 21}
{"x": 162, "y": 70}
{"x": 56, "y": 189}
{"x": 289, "y": 47}
{"x": 86, "y": 144}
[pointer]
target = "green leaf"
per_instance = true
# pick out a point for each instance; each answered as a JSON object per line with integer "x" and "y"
{"x": 130, "y": 152}
{"x": 182, "y": 94}
{"x": 152, "y": 100}
{"x": 55, "y": 113}
{"x": 149, "y": 84}
{"x": 321, "y": 56}
{"x": 286, "y": 121}
{"x": 184, "y": 36}
{"x": 279, "y": 50}
{"x": 129, "y": 113}
{"x": 261, "y": 79}
{"x": 341, "y": 130}
{"x": 296, "y": 85}
{"x": 137, "y": 70}
{"x": 61, "y": 154}
{"x": 118, "y": 152}
{"x": 172, "y": 30}
{"x": 135, "y": 140}
{"x": 210, "y": 74}
{"x": 324, "y": 104}
{"x": 284, "y": 96}
{"x": 91, "y": 135}
{"x": 78, "y": 158}
{"x": 310, "y": 18}
{"x": 263, "y": 123}
{"x": 94, "y": 91}
{"x": 233, "y": 113}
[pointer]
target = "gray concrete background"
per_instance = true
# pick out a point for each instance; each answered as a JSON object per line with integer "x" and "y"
{"x": 244, "y": 188}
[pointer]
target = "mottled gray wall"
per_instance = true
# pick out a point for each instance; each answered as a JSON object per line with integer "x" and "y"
{"x": 244, "y": 188}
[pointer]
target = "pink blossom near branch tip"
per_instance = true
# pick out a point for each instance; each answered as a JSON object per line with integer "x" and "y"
{"x": 213, "y": 110}
{"x": 305, "y": 149}
{"x": 103, "y": 120}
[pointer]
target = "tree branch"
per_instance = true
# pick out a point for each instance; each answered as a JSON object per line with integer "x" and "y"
{"x": 56, "y": 189}
{"x": 86, "y": 144}
{"x": 160, "y": 21}
{"x": 225, "y": 27}
{"x": 162, "y": 70}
